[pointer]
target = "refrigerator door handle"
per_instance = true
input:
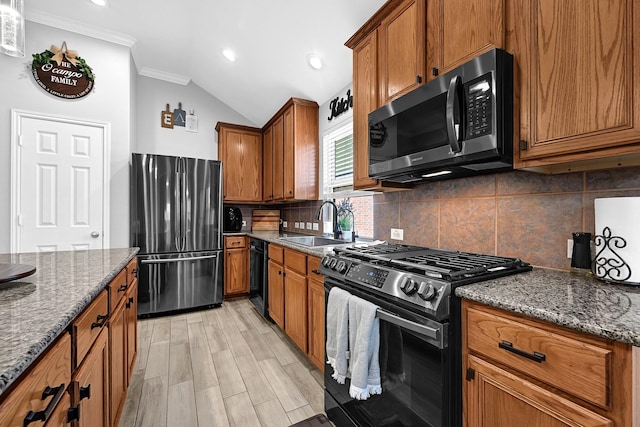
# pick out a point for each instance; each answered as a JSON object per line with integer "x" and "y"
{"x": 167, "y": 261}
{"x": 177, "y": 202}
{"x": 183, "y": 204}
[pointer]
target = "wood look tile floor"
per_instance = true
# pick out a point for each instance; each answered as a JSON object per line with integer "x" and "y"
{"x": 225, "y": 366}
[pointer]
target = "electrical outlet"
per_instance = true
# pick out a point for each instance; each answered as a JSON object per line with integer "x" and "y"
{"x": 296, "y": 225}
{"x": 397, "y": 234}
{"x": 316, "y": 226}
{"x": 569, "y": 248}
{"x": 284, "y": 224}
{"x": 308, "y": 226}
{"x": 244, "y": 223}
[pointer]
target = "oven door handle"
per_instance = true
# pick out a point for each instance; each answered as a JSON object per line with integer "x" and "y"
{"x": 408, "y": 324}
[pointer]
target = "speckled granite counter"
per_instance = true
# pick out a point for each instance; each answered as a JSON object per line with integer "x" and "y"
{"x": 576, "y": 301}
{"x": 36, "y": 309}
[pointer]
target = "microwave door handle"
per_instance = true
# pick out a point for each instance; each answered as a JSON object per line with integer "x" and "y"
{"x": 453, "y": 110}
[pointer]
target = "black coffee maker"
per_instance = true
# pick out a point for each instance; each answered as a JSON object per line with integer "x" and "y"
{"x": 232, "y": 219}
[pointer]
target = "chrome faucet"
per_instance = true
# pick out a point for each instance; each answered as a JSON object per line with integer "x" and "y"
{"x": 353, "y": 223}
{"x": 336, "y": 228}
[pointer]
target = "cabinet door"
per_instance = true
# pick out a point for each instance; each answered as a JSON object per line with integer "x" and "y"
{"x": 401, "y": 44}
{"x": 289, "y": 165}
{"x": 278, "y": 159}
{"x": 131, "y": 318}
{"x": 459, "y": 30}
{"x": 117, "y": 361}
{"x": 365, "y": 100}
{"x": 242, "y": 160}
{"x": 578, "y": 90}
{"x": 93, "y": 385}
{"x": 316, "y": 323}
{"x": 236, "y": 274}
{"x": 276, "y": 293}
{"x": 267, "y": 153}
{"x": 295, "y": 308}
{"x": 498, "y": 398}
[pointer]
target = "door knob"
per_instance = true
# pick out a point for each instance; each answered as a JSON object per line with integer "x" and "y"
{"x": 95, "y": 234}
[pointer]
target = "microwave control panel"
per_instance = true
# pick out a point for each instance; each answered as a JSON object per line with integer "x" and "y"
{"x": 479, "y": 106}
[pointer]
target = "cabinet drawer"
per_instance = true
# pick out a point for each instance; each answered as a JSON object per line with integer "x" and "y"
{"x": 313, "y": 265}
{"x": 117, "y": 288}
{"x": 132, "y": 270}
{"x": 296, "y": 261}
{"x": 235, "y": 242}
{"x": 52, "y": 371}
{"x": 89, "y": 324}
{"x": 276, "y": 253}
{"x": 574, "y": 366}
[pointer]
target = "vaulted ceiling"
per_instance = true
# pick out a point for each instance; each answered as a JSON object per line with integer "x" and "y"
{"x": 182, "y": 41}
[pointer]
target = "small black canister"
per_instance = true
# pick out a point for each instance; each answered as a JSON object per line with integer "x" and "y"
{"x": 581, "y": 257}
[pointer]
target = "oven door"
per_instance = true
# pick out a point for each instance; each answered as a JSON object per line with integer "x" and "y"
{"x": 415, "y": 375}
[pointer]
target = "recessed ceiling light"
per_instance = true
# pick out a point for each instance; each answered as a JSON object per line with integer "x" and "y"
{"x": 314, "y": 61}
{"x": 229, "y": 54}
{"x": 99, "y": 2}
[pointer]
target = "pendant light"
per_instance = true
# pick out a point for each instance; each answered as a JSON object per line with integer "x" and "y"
{"x": 12, "y": 27}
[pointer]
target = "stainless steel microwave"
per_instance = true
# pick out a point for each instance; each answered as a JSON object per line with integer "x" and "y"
{"x": 459, "y": 124}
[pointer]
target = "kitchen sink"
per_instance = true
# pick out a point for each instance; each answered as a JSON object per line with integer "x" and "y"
{"x": 314, "y": 240}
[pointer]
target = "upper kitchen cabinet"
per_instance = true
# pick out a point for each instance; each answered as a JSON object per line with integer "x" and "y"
{"x": 388, "y": 61}
{"x": 579, "y": 98}
{"x": 459, "y": 30}
{"x": 240, "y": 150}
{"x": 292, "y": 164}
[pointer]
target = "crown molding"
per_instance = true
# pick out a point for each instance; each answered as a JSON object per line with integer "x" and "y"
{"x": 80, "y": 28}
{"x": 163, "y": 75}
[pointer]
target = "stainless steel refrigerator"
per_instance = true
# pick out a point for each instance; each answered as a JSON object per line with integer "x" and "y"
{"x": 176, "y": 221}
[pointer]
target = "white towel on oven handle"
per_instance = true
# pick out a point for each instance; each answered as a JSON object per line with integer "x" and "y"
{"x": 338, "y": 333}
{"x": 364, "y": 345}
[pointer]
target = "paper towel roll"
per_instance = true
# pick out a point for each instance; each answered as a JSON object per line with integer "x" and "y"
{"x": 617, "y": 239}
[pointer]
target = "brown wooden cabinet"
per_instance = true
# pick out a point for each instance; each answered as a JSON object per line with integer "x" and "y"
{"x": 276, "y": 293}
{"x": 315, "y": 311}
{"x": 92, "y": 385}
{"x": 521, "y": 371}
{"x": 295, "y": 297}
{"x": 578, "y": 99}
{"x": 117, "y": 361}
{"x": 236, "y": 266}
{"x": 388, "y": 61}
{"x": 267, "y": 164}
{"x": 131, "y": 320}
{"x": 294, "y": 156}
{"x": 240, "y": 150}
{"x": 459, "y": 30}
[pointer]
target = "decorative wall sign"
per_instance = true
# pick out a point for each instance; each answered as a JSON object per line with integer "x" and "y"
{"x": 166, "y": 118}
{"x": 339, "y": 105}
{"x": 192, "y": 122}
{"x": 179, "y": 116}
{"x": 62, "y": 72}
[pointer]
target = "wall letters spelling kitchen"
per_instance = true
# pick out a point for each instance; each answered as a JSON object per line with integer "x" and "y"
{"x": 340, "y": 105}
{"x": 62, "y": 72}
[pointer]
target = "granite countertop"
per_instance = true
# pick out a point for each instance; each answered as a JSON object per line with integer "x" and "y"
{"x": 574, "y": 300}
{"x": 36, "y": 309}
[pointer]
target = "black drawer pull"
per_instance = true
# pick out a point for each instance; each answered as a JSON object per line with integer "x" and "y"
{"x": 73, "y": 414}
{"x": 134, "y": 272}
{"x": 43, "y": 416}
{"x": 536, "y": 357}
{"x": 128, "y": 304}
{"x": 122, "y": 288}
{"x": 316, "y": 271}
{"x": 100, "y": 321}
{"x": 85, "y": 392}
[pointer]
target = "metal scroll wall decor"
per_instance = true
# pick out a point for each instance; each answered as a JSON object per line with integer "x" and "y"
{"x": 608, "y": 264}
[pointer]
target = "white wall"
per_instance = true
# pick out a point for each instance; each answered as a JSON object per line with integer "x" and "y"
{"x": 109, "y": 102}
{"x": 152, "y": 95}
{"x": 325, "y": 112}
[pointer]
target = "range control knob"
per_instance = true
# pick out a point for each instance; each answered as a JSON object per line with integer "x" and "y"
{"x": 427, "y": 291}
{"x": 408, "y": 286}
{"x": 326, "y": 260}
{"x": 333, "y": 263}
{"x": 341, "y": 267}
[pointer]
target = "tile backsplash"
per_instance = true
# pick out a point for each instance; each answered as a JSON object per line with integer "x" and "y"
{"x": 518, "y": 214}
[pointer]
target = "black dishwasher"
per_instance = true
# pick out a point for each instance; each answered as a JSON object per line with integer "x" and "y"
{"x": 258, "y": 290}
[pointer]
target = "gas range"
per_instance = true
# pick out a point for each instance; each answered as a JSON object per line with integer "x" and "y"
{"x": 418, "y": 278}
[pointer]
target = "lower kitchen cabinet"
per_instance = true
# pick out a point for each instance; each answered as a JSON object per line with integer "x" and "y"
{"x": 276, "y": 292}
{"x": 92, "y": 385}
{"x": 131, "y": 320}
{"x": 236, "y": 266}
{"x": 117, "y": 361}
{"x": 522, "y": 371}
{"x": 295, "y": 307}
{"x": 315, "y": 310}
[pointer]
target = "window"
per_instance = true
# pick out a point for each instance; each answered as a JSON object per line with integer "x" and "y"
{"x": 337, "y": 172}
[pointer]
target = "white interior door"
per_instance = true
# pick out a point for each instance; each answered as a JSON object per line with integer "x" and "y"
{"x": 60, "y": 200}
